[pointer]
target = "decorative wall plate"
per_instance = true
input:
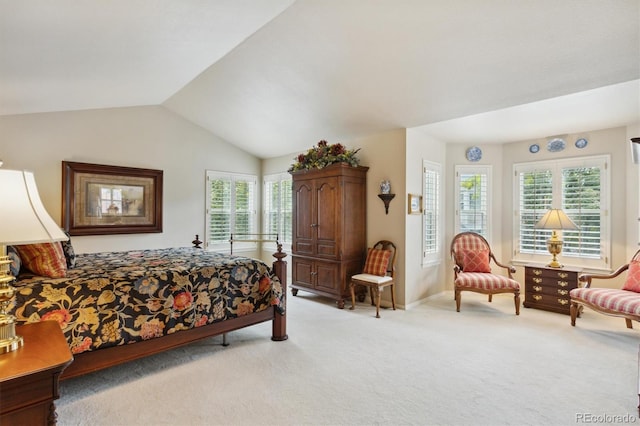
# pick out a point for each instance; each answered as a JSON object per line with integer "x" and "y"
{"x": 555, "y": 145}
{"x": 474, "y": 153}
{"x": 581, "y": 143}
{"x": 534, "y": 147}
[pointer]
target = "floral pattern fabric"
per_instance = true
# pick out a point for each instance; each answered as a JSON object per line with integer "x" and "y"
{"x": 118, "y": 298}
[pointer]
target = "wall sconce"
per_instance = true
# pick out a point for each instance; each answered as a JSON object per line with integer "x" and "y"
{"x": 385, "y": 194}
{"x": 635, "y": 150}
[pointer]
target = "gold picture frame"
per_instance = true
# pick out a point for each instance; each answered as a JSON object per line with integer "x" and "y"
{"x": 414, "y": 204}
{"x": 99, "y": 199}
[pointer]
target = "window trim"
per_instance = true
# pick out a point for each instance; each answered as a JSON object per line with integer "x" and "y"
{"x": 556, "y": 167}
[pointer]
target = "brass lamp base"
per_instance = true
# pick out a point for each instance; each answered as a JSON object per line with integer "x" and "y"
{"x": 8, "y": 340}
{"x": 554, "y": 245}
{"x": 10, "y": 345}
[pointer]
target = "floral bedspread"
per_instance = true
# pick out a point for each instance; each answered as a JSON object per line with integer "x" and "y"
{"x": 117, "y": 298}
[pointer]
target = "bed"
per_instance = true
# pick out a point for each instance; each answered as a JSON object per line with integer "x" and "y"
{"x": 120, "y": 306}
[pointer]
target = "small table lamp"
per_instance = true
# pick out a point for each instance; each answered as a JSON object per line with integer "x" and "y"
{"x": 555, "y": 219}
{"x": 23, "y": 220}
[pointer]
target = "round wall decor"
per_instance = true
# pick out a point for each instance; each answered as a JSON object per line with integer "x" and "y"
{"x": 474, "y": 153}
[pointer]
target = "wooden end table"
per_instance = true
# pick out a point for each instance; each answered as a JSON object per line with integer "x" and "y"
{"x": 29, "y": 375}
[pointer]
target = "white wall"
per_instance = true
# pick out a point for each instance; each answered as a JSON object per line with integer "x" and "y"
{"x": 146, "y": 137}
{"x": 422, "y": 282}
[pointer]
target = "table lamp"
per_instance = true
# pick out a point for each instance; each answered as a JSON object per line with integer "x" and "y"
{"x": 23, "y": 220}
{"x": 555, "y": 219}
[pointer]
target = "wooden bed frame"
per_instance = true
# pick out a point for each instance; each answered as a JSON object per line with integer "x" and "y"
{"x": 88, "y": 362}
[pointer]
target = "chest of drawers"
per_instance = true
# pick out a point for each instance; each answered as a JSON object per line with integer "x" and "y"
{"x": 548, "y": 288}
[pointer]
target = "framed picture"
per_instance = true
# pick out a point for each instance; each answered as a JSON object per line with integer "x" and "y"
{"x": 99, "y": 199}
{"x": 415, "y": 204}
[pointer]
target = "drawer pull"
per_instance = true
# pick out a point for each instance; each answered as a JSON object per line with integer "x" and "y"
{"x": 563, "y": 301}
{"x": 563, "y": 274}
{"x": 563, "y": 283}
{"x": 536, "y": 272}
{"x": 563, "y": 292}
{"x": 537, "y": 280}
{"x": 537, "y": 288}
{"x": 537, "y": 297}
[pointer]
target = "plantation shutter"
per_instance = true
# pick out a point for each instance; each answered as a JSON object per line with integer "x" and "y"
{"x": 431, "y": 215}
{"x": 581, "y": 201}
{"x": 536, "y": 195}
{"x": 231, "y": 208}
{"x": 277, "y": 206}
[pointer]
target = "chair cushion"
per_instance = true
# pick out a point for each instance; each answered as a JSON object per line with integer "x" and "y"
{"x": 485, "y": 281}
{"x": 613, "y": 299}
{"x": 475, "y": 261}
{"x": 632, "y": 283}
{"x": 377, "y": 262}
{"x": 374, "y": 279}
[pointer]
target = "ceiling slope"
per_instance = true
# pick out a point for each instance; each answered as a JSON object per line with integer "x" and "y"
{"x": 275, "y": 76}
{"x": 70, "y": 55}
{"x": 341, "y": 69}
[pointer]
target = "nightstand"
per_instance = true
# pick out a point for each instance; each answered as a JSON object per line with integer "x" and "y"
{"x": 29, "y": 375}
{"x": 548, "y": 288}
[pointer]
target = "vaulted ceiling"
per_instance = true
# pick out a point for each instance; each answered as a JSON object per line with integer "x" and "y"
{"x": 275, "y": 76}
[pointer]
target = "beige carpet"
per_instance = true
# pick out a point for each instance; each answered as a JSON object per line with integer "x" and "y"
{"x": 426, "y": 366}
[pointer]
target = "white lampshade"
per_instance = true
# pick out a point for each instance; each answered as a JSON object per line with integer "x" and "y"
{"x": 555, "y": 219}
{"x": 23, "y": 218}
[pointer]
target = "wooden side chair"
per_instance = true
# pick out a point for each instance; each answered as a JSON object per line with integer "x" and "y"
{"x": 618, "y": 302}
{"x": 472, "y": 271}
{"x": 378, "y": 273}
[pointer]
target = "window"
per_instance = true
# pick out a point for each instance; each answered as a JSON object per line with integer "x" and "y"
{"x": 231, "y": 201}
{"x": 431, "y": 216}
{"x": 277, "y": 206}
{"x": 472, "y": 199}
{"x": 580, "y": 187}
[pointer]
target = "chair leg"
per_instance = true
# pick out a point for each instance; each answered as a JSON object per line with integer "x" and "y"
{"x": 573, "y": 310}
{"x": 377, "y": 293}
{"x": 372, "y": 297}
{"x": 457, "y": 297}
{"x": 629, "y": 324}
{"x": 353, "y": 296}
{"x": 516, "y": 299}
{"x": 490, "y": 297}
{"x": 393, "y": 297}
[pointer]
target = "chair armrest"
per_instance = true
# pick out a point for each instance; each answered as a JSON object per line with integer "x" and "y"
{"x": 586, "y": 278}
{"x": 509, "y": 268}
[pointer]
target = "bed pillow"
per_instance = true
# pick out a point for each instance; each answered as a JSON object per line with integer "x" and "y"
{"x": 69, "y": 252}
{"x": 377, "y": 262}
{"x": 16, "y": 262}
{"x": 475, "y": 261}
{"x": 46, "y": 259}
{"x": 632, "y": 283}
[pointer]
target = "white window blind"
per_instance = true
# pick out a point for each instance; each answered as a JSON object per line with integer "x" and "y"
{"x": 431, "y": 214}
{"x": 277, "y": 206}
{"x": 231, "y": 208}
{"x": 472, "y": 197}
{"x": 580, "y": 187}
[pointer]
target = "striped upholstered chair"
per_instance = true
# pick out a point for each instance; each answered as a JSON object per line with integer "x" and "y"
{"x": 472, "y": 271}
{"x": 618, "y": 302}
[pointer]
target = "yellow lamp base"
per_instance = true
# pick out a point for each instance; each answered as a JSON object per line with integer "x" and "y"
{"x": 10, "y": 344}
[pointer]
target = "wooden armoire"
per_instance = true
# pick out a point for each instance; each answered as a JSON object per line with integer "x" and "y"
{"x": 329, "y": 229}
